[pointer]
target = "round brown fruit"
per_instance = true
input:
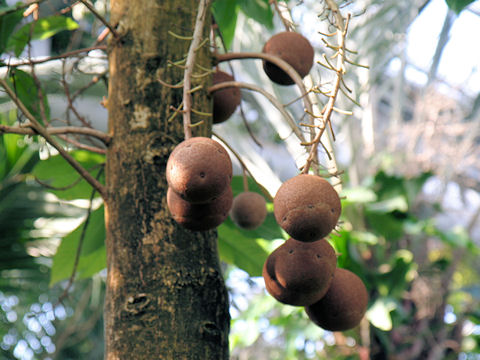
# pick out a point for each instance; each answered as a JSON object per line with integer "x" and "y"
{"x": 300, "y": 273}
{"x": 293, "y": 48}
{"x": 343, "y": 306}
{"x": 307, "y": 207}
{"x": 200, "y": 217}
{"x": 249, "y": 210}
{"x": 226, "y": 100}
{"x": 199, "y": 169}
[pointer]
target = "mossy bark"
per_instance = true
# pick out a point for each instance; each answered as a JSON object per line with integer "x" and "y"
{"x": 166, "y": 297}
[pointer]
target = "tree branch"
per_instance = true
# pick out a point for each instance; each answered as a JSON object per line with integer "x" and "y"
{"x": 35, "y": 125}
{"x": 270, "y": 97}
{"x": 56, "y": 57}
{"x": 100, "y": 17}
{"x": 190, "y": 65}
{"x": 105, "y": 138}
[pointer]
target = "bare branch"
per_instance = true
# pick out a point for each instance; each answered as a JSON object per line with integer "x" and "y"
{"x": 105, "y": 138}
{"x": 100, "y": 17}
{"x": 35, "y": 125}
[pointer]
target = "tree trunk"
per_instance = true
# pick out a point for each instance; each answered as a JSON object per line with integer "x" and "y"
{"x": 166, "y": 297}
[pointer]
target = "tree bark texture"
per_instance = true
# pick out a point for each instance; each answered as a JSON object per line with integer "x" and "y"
{"x": 166, "y": 297}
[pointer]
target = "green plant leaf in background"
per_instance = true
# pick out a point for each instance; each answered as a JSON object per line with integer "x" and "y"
{"x": 8, "y": 23}
{"x": 92, "y": 255}
{"x": 23, "y": 84}
{"x": 259, "y": 10}
{"x": 56, "y": 172}
{"x": 42, "y": 29}
{"x": 458, "y": 5}
{"x": 225, "y": 14}
{"x": 240, "y": 250}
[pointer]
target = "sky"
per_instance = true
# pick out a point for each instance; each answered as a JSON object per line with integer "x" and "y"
{"x": 460, "y": 62}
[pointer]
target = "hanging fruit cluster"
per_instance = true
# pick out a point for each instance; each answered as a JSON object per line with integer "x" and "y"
{"x": 303, "y": 271}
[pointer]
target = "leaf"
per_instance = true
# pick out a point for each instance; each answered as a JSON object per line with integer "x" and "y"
{"x": 42, "y": 29}
{"x": 379, "y": 313}
{"x": 243, "y": 251}
{"x": 385, "y": 225}
{"x": 258, "y": 10}
{"x": 358, "y": 194}
{"x": 225, "y": 14}
{"x": 8, "y": 23}
{"x": 92, "y": 256}
{"x": 458, "y": 5}
{"x": 56, "y": 172}
{"x": 23, "y": 84}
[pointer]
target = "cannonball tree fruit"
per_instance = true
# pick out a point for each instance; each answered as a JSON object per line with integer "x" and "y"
{"x": 199, "y": 169}
{"x": 203, "y": 216}
{"x": 307, "y": 207}
{"x": 249, "y": 210}
{"x": 343, "y": 306}
{"x": 293, "y": 48}
{"x": 225, "y": 101}
{"x": 299, "y": 273}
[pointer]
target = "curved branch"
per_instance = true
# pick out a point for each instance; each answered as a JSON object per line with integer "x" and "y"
{"x": 35, "y": 125}
{"x": 244, "y": 166}
{"x": 277, "y": 61}
{"x": 269, "y": 96}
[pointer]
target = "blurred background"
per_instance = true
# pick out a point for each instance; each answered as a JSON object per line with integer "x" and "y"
{"x": 410, "y": 158}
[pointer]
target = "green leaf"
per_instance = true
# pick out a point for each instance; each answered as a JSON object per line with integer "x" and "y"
{"x": 379, "y": 313}
{"x": 385, "y": 225}
{"x": 56, "y": 172}
{"x": 259, "y": 10}
{"x": 23, "y": 84}
{"x": 238, "y": 249}
{"x": 394, "y": 203}
{"x": 92, "y": 256}
{"x": 225, "y": 13}
{"x": 42, "y": 29}
{"x": 458, "y": 5}
{"x": 8, "y": 23}
{"x": 357, "y": 195}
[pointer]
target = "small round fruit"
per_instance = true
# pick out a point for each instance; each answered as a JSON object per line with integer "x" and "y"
{"x": 300, "y": 273}
{"x": 343, "y": 306}
{"x": 249, "y": 210}
{"x": 293, "y": 48}
{"x": 199, "y": 169}
{"x": 307, "y": 207}
{"x": 225, "y": 101}
{"x": 200, "y": 217}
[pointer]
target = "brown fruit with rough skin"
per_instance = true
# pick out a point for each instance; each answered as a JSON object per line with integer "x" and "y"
{"x": 248, "y": 210}
{"x": 343, "y": 306}
{"x": 300, "y": 273}
{"x": 199, "y": 169}
{"x": 225, "y": 101}
{"x": 199, "y": 217}
{"x": 293, "y": 48}
{"x": 307, "y": 207}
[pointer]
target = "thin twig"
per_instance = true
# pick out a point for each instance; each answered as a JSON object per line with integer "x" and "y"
{"x": 20, "y": 7}
{"x": 190, "y": 64}
{"x": 35, "y": 125}
{"x": 270, "y": 97}
{"x": 276, "y": 61}
{"x": 100, "y": 17}
{"x": 79, "y": 145}
{"x": 100, "y": 135}
{"x": 56, "y": 57}
{"x": 244, "y": 166}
